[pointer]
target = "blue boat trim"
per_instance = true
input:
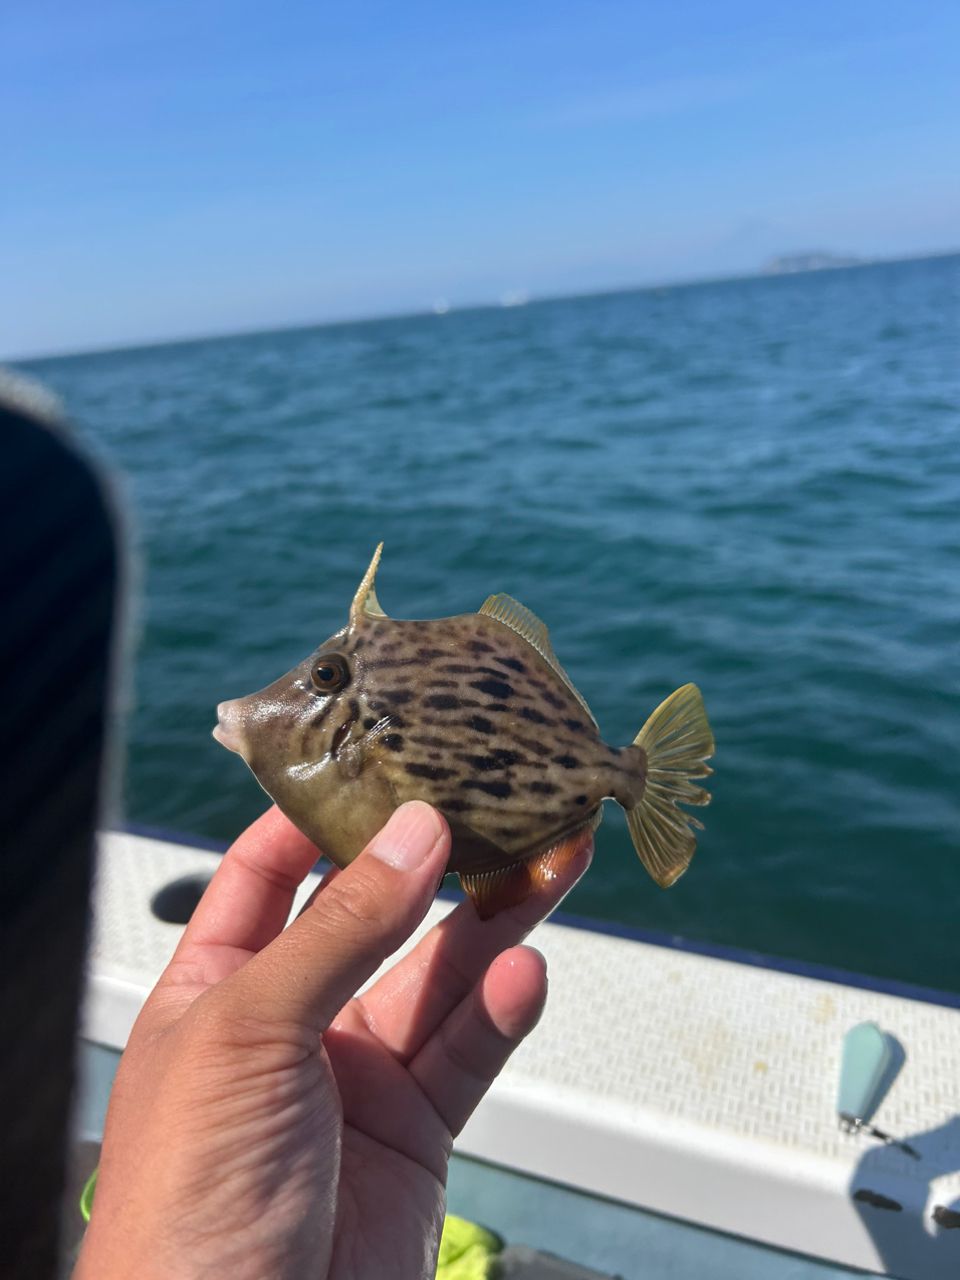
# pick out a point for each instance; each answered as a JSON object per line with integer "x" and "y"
{"x": 760, "y": 960}
{"x": 633, "y": 933}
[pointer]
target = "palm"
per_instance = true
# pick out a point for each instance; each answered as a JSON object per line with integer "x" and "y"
{"x": 379, "y": 1190}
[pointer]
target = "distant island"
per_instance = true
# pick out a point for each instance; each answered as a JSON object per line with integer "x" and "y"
{"x": 817, "y": 260}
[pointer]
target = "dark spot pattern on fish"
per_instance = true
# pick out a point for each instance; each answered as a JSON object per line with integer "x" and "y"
{"x": 432, "y": 771}
{"x": 499, "y": 758}
{"x": 531, "y": 744}
{"x": 490, "y": 671}
{"x": 513, "y": 663}
{"x": 370, "y": 721}
{"x": 398, "y": 697}
{"x": 393, "y": 741}
{"x": 457, "y": 669}
{"x": 481, "y": 724}
{"x": 540, "y": 788}
{"x": 581, "y": 800}
{"x": 551, "y": 698}
{"x": 575, "y": 726}
{"x": 480, "y": 646}
{"x": 428, "y": 740}
{"x": 534, "y": 716}
{"x": 502, "y": 790}
{"x": 453, "y": 804}
{"x": 443, "y": 702}
{"x": 493, "y": 688}
{"x": 567, "y": 762}
{"x": 426, "y": 654}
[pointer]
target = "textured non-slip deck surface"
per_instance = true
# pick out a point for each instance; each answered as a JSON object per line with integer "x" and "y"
{"x": 701, "y": 1088}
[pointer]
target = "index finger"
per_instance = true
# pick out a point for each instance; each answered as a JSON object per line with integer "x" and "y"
{"x": 313, "y": 968}
{"x": 250, "y": 896}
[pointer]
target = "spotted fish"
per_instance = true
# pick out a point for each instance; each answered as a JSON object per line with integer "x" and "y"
{"x": 475, "y": 715}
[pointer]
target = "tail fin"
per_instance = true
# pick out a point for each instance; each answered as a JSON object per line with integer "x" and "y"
{"x": 677, "y": 741}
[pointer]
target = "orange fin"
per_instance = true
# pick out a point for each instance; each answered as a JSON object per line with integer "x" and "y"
{"x": 493, "y": 891}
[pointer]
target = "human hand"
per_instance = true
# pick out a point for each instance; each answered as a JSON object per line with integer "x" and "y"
{"x": 268, "y": 1122}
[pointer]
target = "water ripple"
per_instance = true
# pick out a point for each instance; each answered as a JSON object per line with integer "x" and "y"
{"x": 754, "y": 485}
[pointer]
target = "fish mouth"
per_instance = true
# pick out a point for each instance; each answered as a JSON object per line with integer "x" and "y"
{"x": 227, "y": 730}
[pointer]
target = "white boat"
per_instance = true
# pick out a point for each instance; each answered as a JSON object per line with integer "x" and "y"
{"x": 673, "y": 1115}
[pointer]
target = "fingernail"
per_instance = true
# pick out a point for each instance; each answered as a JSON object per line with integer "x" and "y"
{"x": 409, "y": 837}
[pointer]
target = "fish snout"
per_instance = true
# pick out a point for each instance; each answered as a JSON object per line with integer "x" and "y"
{"x": 228, "y": 730}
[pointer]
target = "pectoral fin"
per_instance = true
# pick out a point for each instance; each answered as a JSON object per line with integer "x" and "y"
{"x": 352, "y": 756}
{"x": 493, "y": 891}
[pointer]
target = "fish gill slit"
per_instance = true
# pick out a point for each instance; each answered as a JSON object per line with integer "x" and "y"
{"x": 342, "y": 732}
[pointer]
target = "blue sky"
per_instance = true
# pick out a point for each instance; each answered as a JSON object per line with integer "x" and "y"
{"x": 187, "y": 168}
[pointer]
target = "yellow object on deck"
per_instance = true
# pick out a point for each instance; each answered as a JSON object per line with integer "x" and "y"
{"x": 467, "y": 1252}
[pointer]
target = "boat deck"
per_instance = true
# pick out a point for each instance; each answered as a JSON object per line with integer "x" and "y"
{"x": 661, "y": 1085}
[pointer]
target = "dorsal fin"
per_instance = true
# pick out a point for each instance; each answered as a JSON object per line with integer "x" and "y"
{"x": 365, "y": 602}
{"x": 525, "y": 623}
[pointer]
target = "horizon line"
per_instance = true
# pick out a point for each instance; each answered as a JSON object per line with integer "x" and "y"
{"x": 534, "y": 300}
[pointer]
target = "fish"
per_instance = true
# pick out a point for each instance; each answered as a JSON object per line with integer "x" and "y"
{"x": 475, "y": 715}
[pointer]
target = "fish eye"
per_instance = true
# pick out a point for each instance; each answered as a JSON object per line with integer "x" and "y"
{"x": 329, "y": 673}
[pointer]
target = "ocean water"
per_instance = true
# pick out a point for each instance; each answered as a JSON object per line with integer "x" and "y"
{"x": 751, "y": 484}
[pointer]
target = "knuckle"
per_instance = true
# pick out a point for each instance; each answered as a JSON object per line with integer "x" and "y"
{"x": 230, "y": 1022}
{"x": 467, "y": 1062}
{"x": 452, "y": 978}
{"x": 355, "y": 903}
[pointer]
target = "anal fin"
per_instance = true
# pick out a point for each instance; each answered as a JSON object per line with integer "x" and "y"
{"x": 504, "y": 887}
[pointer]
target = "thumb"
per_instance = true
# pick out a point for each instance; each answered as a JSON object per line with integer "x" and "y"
{"x": 315, "y": 966}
